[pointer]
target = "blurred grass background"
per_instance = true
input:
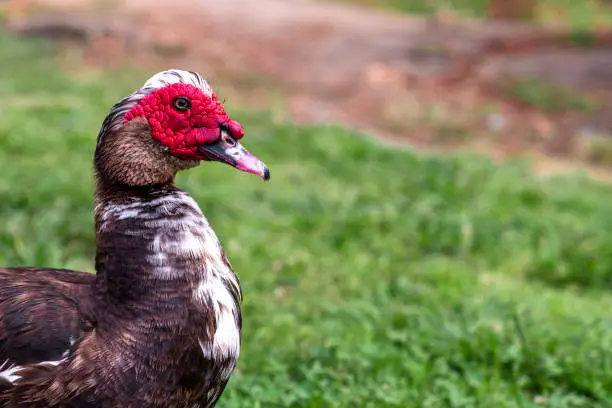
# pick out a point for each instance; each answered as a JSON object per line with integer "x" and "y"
{"x": 373, "y": 276}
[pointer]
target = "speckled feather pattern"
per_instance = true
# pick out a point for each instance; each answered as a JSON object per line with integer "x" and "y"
{"x": 174, "y": 316}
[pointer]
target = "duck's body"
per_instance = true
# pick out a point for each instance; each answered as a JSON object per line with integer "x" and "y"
{"x": 159, "y": 324}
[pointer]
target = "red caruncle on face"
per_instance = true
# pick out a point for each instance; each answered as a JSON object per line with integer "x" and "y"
{"x": 184, "y": 127}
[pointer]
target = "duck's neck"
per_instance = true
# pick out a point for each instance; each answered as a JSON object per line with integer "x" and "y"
{"x": 155, "y": 245}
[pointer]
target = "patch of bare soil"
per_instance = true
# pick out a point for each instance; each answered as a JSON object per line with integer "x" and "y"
{"x": 432, "y": 82}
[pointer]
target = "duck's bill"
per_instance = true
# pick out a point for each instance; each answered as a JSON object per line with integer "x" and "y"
{"x": 228, "y": 150}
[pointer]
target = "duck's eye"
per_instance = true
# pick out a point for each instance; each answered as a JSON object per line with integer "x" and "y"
{"x": 181, "y": 104}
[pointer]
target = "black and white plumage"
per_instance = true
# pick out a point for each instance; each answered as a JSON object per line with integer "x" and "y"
{"x": 159, "y": 324}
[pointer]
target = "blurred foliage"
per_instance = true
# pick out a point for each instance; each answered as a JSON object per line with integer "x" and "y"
{"x": 583, "y": 15}
{"x": 471, "y": 7}
{"x": 373, "y": 277}
{"x": 597, "y": 149}
{"x": 547, "y": 97}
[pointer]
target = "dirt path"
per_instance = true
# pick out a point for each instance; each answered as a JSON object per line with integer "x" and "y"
{"x": 404, "y": 78}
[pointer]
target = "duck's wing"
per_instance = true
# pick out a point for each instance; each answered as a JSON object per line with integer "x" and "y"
{"x": 42, "y": 313}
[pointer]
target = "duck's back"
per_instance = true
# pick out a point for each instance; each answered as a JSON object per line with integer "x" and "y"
{"x": 42, "y": 313}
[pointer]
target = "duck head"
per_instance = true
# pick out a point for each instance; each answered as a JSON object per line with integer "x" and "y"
{"x": 173, "y": 122}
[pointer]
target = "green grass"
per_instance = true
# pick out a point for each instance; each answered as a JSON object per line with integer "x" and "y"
{"x": 373, "y": 277}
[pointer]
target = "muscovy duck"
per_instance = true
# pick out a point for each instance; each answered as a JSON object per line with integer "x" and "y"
{"x": 159, "y": 324}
